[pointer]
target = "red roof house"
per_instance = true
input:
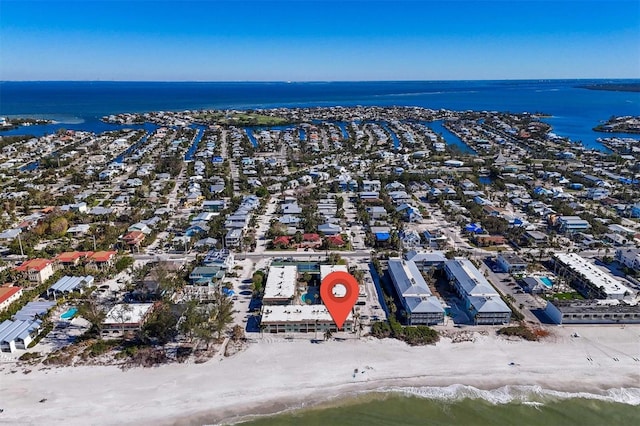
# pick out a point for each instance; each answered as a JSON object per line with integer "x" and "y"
{"x": 38, "y": 270}
{"x": 335, "y": 240}
{"x": 8, "y": 295}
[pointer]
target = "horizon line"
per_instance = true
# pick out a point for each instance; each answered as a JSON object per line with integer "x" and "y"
{"x": 319, "y": 81}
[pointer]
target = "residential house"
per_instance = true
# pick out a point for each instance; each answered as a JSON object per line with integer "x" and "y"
{"x": 536, "y": 238}
{"x": 371, "y": 185}
{"x": 377, "y": 212}
{"x": 409, "y": 213}
{"x": 435, "y": 239}
{"x": 71, "y": 258}
{"x": 37, "y": 270}
{"x": 18, "y": 334}
{"x": 213, "y": 206}
{"x": 329, "y": 229}
{"x": 511, "y": 262}
{"x": 233, "y": 237}
{"x": 8, "y": 295}
{"x": 102, "y": 260}
{"x": 126, "y": 318}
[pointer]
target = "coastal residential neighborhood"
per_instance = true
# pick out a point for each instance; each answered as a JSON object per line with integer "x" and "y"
{"x": 189, "y": 235}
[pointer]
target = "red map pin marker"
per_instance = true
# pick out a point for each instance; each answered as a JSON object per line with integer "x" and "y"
{"x": 339, "y": 292}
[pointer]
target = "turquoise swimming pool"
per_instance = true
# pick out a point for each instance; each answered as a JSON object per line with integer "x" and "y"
{"x": 309, "y": 298}
{"x": 69, "y": 314}
{"x": 546, "y": 281}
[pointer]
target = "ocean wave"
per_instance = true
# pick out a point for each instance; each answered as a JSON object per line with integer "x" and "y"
{"x": 535, "y": 395}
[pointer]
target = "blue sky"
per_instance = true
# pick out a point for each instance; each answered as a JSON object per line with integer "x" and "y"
{"x": 323, "y": 40}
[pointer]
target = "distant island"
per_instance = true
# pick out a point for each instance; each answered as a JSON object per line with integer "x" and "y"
{"x": 613, "y": 87}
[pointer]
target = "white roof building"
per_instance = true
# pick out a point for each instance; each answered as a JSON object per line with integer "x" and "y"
{"x": 126, "y": 317}
{"x": 327, "y": 269}
{"x": 281, "y": 285}
{"x": 300, "y": 318}
{"x": 588, "y": 273}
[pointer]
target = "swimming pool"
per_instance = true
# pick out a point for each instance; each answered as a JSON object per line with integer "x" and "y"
{"x": 546, "y": 281}
{"x": 69, "y": 314}
{"x": 309, "y": 298}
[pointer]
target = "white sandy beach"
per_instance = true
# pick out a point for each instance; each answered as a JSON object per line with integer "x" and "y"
{"x": 273, "y": 374}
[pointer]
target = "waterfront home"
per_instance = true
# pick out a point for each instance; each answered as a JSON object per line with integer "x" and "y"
{"x": 126, "y": 318}
{"x": 18, "y": 334}
{"x": 454, "y": 163}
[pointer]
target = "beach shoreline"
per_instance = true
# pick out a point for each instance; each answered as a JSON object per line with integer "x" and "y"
{"x": 274, "y": 375}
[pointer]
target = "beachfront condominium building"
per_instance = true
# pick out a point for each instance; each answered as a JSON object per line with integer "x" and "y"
{"x": 482, "y": 301}
{"x": 300, "y": 319}
{"x": 420, "y": 306}
{"x": 592, "y": 312}
{"x": 591, "y": 281}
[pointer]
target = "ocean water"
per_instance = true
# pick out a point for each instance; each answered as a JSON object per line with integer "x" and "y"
{"x": 463, "y": 405}
{"x": 79, "y": 105}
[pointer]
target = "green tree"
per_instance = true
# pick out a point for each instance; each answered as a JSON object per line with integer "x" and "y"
{"x": 160, "y": 326}
{"x": 192, "y": 320}
{"x": 123, "y": 263}
{"x": 92, "y": 312}
{"x": 221, "y": 313}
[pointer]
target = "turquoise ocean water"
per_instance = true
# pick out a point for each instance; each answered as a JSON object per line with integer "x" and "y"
{"x": 79, "y": 105}
{"x": 463, "y": 405}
